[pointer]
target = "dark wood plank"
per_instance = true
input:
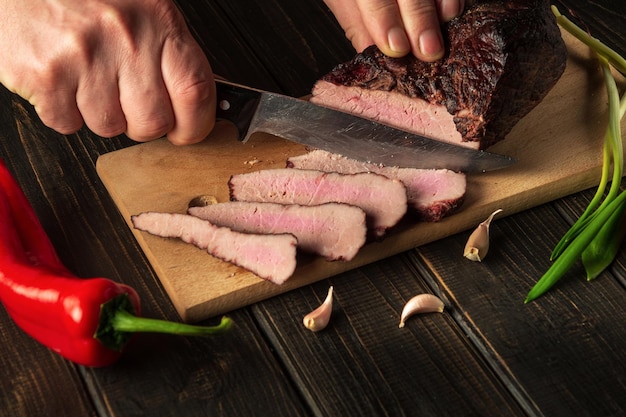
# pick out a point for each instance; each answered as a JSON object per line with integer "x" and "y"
{"x": 296, "y": 41}
{"x": 363, "y": 364}
{"x": 173, "y": 376}
{"x": 227, "y": 51}
{"x": 604, "y": 20}
{"x": 560, "y": 355}
{"x": 35, "y": 381}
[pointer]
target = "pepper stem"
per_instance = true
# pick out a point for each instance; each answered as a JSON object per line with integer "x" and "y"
{"x": 118, "y": 322}
{"x": 123, "y": 321}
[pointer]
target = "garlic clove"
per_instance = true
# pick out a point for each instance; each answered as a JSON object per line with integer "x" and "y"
{"x": 202, "y": 200}
{"x": 318, "y": 319}
{"x": 421, "y": 303}
{"x": 477, "y": 244}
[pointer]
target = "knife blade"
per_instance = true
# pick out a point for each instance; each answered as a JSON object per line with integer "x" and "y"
{"x": 319, "y": 127}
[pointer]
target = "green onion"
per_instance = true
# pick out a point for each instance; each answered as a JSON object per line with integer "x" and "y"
{"x": 611, "y": 153}
{"x": 600, "y": 253}
{"x": 573, "y": 252}
{"x": 601, "y": 49}
{"x": 595, "y": 237}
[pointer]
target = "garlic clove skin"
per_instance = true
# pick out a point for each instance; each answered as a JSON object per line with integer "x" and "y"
{"x": 202, "y": 200}
{"x": 477, "y": 244}
{"x": 421, "y": 303}
{"x": 319, "y": 318}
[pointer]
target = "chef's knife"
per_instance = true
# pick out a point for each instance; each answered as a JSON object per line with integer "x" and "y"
{"x": 253, "y": 110}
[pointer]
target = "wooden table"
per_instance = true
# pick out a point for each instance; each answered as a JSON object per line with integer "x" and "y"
{"x": 487, "y": 355}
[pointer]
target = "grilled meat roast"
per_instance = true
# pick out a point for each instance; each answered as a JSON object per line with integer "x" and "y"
{"x": 503, "y": 56}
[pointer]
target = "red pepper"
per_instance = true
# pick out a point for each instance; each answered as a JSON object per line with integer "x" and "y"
{"x": 88, "y": 321}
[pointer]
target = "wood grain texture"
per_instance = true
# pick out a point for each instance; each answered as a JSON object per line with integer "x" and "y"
{"x": 426, "y": 368}
{"x": 603, "y": 19}
{"x": 33, "y": 377}
{"x": 160, "y": 177}
{"x": 306, "y": 29}
{"x": 536, "y": 350}
{"x": 177, "y": 376}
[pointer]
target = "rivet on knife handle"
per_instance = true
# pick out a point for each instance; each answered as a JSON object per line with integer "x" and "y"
{"x": 236, "y": 105}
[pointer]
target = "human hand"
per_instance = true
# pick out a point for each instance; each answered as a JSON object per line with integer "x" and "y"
{"x": 117, "y": 66}
{"x": 397, "y": 27}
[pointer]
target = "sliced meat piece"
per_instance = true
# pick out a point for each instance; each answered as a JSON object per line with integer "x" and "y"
{"x": 412, "y": 114}
{"x": 383, "y": 200}
{"x": 335, "y": 231}
{"x": 503, "y": 56}
{"x": 271, "y": 257}
{"x": 432, "y": 193}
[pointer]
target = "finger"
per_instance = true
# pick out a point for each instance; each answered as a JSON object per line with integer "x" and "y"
{"x": 56, "y": 106}
{"x": 189, "y": 81}
{"x": 385, "y": 25}
{"x": 421, "y": 22}
{"x": 352, "y": 23}
{"x": 98, "y": 99}
{"x": 449, "y": 9}
{"x": 59, "y": 112}
{"x": 144, "y": 98}
{"x": 146, "y": 106}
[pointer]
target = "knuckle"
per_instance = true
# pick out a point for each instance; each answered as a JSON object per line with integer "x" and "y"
{"x": 194, "y": 86}
{"x": 381, "y": 8}
{"x": 61, "y": 120}
{"x": 192, "y": 91}
{"x": 169, "y": 16}
{"x": 111, "y": 16}
{"x": 109, "y": 126}
{"x": 48, "y": 77}
{"x": 121, "y": 24}
{"x": 78, "y": 48}
{"x": 150, "y": 127}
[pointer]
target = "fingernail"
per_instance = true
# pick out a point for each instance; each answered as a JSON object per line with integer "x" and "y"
{"x": 450, "y": 9}
{"x": 398, "y": 42}
{"x": 430, "y": 43}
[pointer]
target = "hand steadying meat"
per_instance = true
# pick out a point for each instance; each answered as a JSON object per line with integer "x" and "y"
{"x": 119, "y": 66}
{"x": 131, "y": 66}
{"x": 397, "y": 27}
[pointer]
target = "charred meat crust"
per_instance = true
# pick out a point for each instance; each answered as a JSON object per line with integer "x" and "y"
{"x": 502, "y": 59}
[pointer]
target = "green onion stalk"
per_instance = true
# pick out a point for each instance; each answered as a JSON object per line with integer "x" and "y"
{"x": 596, "y": 236}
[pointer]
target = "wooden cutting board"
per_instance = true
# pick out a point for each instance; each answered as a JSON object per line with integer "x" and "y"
{"x": 558, "y": 146}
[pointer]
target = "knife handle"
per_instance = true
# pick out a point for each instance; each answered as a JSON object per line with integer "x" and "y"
{"x": 236, "y": 104}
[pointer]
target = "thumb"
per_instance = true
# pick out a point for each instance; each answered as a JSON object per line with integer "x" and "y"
{"x": 351, "y": 22}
